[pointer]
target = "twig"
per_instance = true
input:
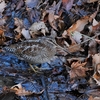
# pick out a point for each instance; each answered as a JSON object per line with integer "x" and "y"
{"x": 86, "y": 40}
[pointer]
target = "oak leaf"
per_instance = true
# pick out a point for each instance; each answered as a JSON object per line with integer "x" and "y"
{"x": 77, "y": 70}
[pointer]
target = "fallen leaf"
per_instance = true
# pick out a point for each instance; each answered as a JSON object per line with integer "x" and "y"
{"x": 2, "y": 21}
{"x": 18, "y": 36}
{"x": 51, "y": 20}
{"x": 96, "y": 75}
{"x": 75, "y": 48}
{"x": 77, "y": 26}
{"x": 80, "y": 24}
{"x": 20, "y": 91}
{"x": 2, "y": 37}
{"x": 38, "y": 28}
{"x": 67, "y": 4}
{"x": 95, "y": 22}
{"x": 97, "y": 40}
{"x": 18, "y": 22}
{"x": 91, "y": 1}
{"x": 77, "y": 36}
{"x": 31, "y": 3}
{"x": 92, "y": 47}
{"x": 2, "y": 6}
{"x": 25, "y": 33}
{"x": 77, "y": 70}
{"x": 93, "y": 98}
{"x": 96, "y": 60}
{"x": 19, "y": 4}
{"x": 95, "y": 28}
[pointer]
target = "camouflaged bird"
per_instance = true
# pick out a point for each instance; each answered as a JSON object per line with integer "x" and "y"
{"x": 35, "y": 51}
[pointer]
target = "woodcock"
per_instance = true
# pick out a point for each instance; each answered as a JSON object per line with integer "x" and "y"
{"x": 35, "y": 51}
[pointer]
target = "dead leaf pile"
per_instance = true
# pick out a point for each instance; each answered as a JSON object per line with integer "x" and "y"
{"x": 74, "y": 24}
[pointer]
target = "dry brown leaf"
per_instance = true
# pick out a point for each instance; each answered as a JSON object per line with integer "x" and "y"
{"x": 80, "y": 24}
{"x": 90, "y": 98}
{"x": 96, "y": 60}
{"x": 96, "y": 75}
{"x": 18, "y": 22}
{"x": 95, "y": 28}
{"x": 2, "y": 37}
{"x": 51, "y": 19}
{"x": 77, "y": 26}
{"x": 93, "y": 98}
{"x": 98, "y": 41}
{"x": 77, "y": 70}
{"x": 20, "y": 91}
{"x": 18, "y": 37}
{"x": 75, "y": 48}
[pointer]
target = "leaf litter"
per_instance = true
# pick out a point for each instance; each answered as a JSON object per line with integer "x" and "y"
{"x": 75, "y": 24}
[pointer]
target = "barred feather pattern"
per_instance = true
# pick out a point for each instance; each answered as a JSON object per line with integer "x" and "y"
{"x": 34, "y": 51}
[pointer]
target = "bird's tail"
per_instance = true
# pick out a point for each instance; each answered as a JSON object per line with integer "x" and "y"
{"x": 9, "y": 49}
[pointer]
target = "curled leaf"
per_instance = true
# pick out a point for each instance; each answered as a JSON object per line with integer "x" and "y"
{"x": 77, "y": 70}
{"x": 38, "y": 28}
{"x": 51, "y": 20}
{"x": 78, "y": 26}
{"x": 25, "y": 33}
{"x": 20, "y": 91}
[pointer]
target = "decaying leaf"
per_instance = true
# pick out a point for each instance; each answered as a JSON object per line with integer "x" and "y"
{"x": 2, "y": 6}
{"x": 94, "y": 22}
{"x": 77, "y": 36}
{"x": 19, "y": 4}
{"x": 77, "y": 70}
{"x": 18, "y": 22}
{"x": 51, "y": 20}
{"x": 92, "y": 47}
{"x": 25, "y": 33}
{"x": 75, "y": 48}
{"x": 91, "y": 1}
{"x": 94, "y": 93}
{"x": 2, "y": 37}
{"x": 2, "y": 21}
{"x": 96, "y": 60}
{"x": 96, "y": 75}
{"x": 67, "y": 4}
{"x": 31, "y": 3}
{"x": 95, "y": 28}
{"x": 97, "y": 40}
{"x": 18, "y": 37}
{"x": 93, "y": 98}
{"x": 20, "y": 91}
{"x": 78, "y": 26}
{"x": 38, "y": 28}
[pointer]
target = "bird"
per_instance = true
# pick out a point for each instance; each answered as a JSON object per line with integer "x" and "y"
{"x": 35, "y": 51}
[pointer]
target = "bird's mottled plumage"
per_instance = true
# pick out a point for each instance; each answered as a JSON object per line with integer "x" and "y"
{"x": 34, "y": 51}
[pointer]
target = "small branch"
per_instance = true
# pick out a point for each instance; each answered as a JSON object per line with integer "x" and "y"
{"x": 92, "y": 38}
